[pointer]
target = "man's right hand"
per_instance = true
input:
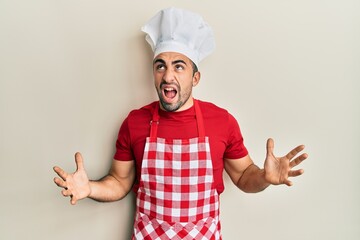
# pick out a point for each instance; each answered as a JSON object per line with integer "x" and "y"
{"x": 76, "y": 185}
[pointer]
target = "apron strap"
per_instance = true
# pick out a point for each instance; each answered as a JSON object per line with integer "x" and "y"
{"x": 199, "y": 119}
{"x": 154, "y": 123}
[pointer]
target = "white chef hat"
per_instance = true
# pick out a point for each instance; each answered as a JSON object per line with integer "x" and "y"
{"x": 182, "y": 31}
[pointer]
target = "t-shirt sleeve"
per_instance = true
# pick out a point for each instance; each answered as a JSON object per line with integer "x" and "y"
{"x": 235, "y": 146}
{"x": 123, "y": 143}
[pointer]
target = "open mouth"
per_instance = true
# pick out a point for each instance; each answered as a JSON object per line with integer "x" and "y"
{"x": 170, "y": 92}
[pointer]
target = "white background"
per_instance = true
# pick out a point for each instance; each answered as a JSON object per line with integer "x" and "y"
{"x": 70, "y": 71}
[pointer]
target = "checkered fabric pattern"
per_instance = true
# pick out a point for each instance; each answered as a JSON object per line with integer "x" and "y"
{"x": 178, "y": 178}
{"x": 176, "y": 197}
{"x": 150, "y": 229}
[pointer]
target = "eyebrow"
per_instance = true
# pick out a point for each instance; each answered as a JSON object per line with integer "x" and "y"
{"x": 159, "y": 60}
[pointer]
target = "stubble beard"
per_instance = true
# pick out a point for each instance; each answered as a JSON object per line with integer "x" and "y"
{"x": 172, "y": 107}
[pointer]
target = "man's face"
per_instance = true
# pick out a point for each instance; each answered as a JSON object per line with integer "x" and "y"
{"x": 174, "y": 80}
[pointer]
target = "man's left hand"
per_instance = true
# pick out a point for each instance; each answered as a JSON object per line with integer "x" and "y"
{"x": 279, "y": 169}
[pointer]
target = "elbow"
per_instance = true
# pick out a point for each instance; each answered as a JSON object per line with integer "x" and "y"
{"x": 250, "y": 184}
{"x": 247, "y": 187}
{"x": 251, "y": 190}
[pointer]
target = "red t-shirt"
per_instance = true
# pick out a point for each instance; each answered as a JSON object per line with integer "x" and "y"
{"x": 221, "y": 127}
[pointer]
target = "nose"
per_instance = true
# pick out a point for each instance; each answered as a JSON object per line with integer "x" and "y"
{"x": 168, "y": 76}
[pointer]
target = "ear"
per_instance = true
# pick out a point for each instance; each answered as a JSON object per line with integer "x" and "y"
{"x": 196, "y": 78}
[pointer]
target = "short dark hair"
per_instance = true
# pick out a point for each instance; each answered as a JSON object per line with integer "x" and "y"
{"x": 195, "y": 68}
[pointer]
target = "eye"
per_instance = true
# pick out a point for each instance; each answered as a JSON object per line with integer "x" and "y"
{"x": 179, "y": 67}
{"x": 160, "y": 67}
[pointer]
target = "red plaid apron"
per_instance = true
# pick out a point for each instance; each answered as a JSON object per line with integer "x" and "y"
{"x": 176, "y": 197}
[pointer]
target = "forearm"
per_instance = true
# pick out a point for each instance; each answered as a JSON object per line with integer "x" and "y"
{"x": 108, "y": 189}
{"x": 253, "y": 180}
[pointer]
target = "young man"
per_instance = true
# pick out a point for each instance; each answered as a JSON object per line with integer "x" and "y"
{"x": 172, "y": 152}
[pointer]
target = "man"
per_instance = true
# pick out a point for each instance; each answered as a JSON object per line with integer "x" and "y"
{"x": 172, "y": 152}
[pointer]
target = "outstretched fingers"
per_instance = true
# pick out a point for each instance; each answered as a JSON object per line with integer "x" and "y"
{"x": 294, "y": 152}
{"x": 288, "y": 183}
{"x": 61, "y": 173}
{"x": 66, "y": 192}
{"x": 294, "y": 163}
{"x": 75, "y": 185}
{"x": 59, "y": 182}
{"x": 298, "y": 160}
{"x": 73, "y": 200}
{"x": 79, "y": 161}
{"x": 270, "y": 146}
{"x": 295, "y": 173}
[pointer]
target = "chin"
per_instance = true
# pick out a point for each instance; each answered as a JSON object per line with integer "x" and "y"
{"x": 171, "y": 107}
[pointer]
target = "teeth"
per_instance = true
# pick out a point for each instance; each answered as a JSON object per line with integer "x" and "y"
{"x": 169, "y": 89}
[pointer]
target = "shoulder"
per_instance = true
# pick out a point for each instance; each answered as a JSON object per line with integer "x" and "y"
{"x": 144, "y": 111}
{"x": 141, "y": 115}
{"x": 210, "y": 109}
{"x": 217, "y": 116}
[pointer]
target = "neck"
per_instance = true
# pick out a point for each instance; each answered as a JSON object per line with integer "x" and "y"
{"x": 188, "y": 104}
